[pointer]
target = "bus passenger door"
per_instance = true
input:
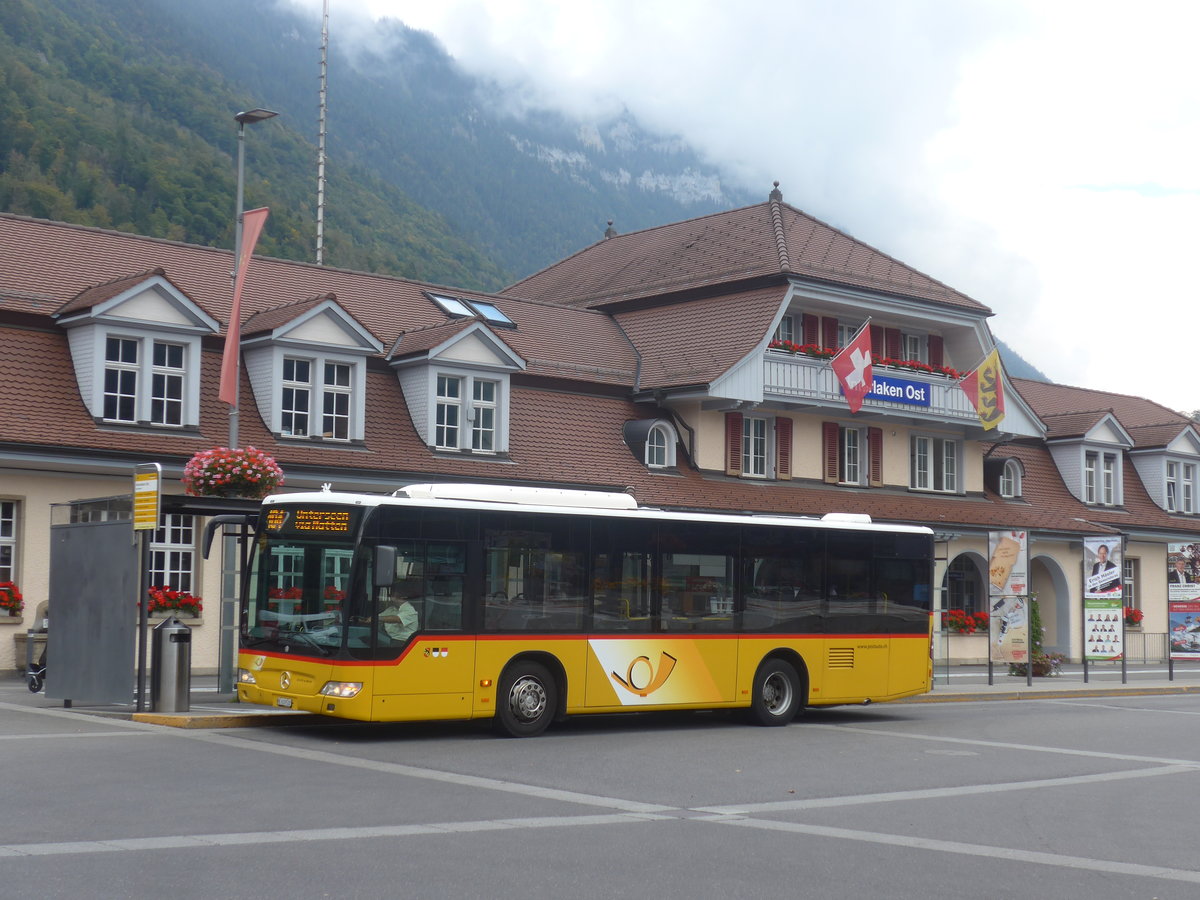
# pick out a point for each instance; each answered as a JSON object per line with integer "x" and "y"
{"x": 434, "y": 673}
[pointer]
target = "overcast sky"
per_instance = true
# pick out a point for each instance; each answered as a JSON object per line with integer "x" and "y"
{"x": 1039, "y": 155}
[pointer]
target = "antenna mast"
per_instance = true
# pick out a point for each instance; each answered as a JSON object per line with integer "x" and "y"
{"x": 321, "y": 134}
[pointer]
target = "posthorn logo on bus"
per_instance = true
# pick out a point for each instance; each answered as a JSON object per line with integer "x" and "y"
{"x": 642, "y": 678}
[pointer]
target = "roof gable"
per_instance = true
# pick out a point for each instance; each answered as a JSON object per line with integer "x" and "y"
{"x": 143, "y": 298}
{"x": 319, "y": 321}
{"x": 463, "y": 341}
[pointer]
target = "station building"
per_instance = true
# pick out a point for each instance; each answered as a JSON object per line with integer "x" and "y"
{"x": 687, "y": 364}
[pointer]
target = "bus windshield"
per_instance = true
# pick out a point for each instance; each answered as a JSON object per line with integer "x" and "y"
{"x": 301, "y": 593}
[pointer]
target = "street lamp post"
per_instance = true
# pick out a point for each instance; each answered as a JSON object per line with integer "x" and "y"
{"x": 250, "y": 116}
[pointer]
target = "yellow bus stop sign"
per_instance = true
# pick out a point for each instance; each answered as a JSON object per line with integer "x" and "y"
{"x": 147, "y": 491}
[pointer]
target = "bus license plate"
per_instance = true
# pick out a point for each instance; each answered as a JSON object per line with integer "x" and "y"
{"x": 285, "y": 702}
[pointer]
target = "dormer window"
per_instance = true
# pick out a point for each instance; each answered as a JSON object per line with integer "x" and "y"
{"x": 786, "y": 330}
{"x": 456, "y": 383}
{"x": 135, "y": 343}
{"x": 307, "y": 365}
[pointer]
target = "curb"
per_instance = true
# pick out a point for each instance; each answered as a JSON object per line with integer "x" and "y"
{"x": 1053, "y": 694}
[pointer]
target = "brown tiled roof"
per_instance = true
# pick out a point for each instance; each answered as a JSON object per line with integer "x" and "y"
{"x": 563, "y": 343}
{"x": 1059, "y": 399}
{"x": 697, "y": 341}
{"x": 768, "y": 239}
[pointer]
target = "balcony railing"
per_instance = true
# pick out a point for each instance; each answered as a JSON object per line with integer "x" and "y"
{"x": 795, "y": 378}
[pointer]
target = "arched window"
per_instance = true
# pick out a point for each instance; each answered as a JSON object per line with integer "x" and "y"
{"x": 660, "y": 447}
{"x": 1010, "y": 479}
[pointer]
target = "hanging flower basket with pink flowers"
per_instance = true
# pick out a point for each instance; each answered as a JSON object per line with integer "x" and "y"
{"x": 222, "y": 472}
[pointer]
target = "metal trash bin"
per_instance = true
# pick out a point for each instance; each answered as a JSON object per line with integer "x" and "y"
{"x": 171, "y": 667}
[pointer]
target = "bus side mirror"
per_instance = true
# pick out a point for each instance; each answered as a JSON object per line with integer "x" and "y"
{"x": 385, "y": 566}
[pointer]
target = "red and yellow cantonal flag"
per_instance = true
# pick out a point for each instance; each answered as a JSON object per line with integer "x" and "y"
{"x": 985, "y": 389}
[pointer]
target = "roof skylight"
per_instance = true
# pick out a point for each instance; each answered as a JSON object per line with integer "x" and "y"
{"x": 459, "y": 307}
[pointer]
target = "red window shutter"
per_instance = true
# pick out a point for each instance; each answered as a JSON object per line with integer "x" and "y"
{"x": 937, "y": 353}
{"x": 829, "y": 332}
{"x": 829, "y": 438}
{"x": 892, "y": 340}
{"x": 877, "y": 340}
{"x": 810, "y": 328}
{"x": 875, "y": 451}
{"x": 783, "y": 448}
{"x": 733, "y": 443}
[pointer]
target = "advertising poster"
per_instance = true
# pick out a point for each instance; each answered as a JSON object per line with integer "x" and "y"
{"x": 1183, "y": 600}
{"x": 1184, "y": 625}
{"x": 1103, "y": 628}
{"x": 1008, "y": 563}
{"x": 1008, "y": 630}
{"x": 1102, "y": 568}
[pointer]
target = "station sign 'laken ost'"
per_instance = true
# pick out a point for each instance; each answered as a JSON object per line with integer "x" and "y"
{"x": 900, "y": 390}
{"x": 309, "y": 519}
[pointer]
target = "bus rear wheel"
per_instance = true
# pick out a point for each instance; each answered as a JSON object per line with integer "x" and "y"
{"x": 776, "y": 697}
{"x": 526, "y": 701}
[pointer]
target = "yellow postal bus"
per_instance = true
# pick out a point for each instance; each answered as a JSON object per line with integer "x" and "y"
{"x": 525, "y": 605}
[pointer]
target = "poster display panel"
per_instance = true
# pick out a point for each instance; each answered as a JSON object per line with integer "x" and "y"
{"x": 1008, "y": 630}
{"x": 1008, "y": 563}
{"x": 1102, "y": 558}
{"x": 1183, "y": 600}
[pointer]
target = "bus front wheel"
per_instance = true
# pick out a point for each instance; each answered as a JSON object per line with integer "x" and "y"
{"x": 776, "y": 697}
{"x": 526, "y": 701}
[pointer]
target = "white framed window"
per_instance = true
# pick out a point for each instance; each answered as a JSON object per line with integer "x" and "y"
{"x": 335, "y": 402}
{"x": 295, "y": 401}
{"x": 1129, "y": 577}
{"x": 754, "y": 446}
{"x": 1188, "y": 487}
{"x": 914, "y": 347}
{"x": 449, "y": 412}
{"x": 1101, "y": 478}
{"x": 658, "y": 448}
{"x": 166, "y": 383}
{"x": 1010, "y": 480}
{"x": 1172, "y": 486}
{"x": 934, "y": 464}
{"x": 850, "y": 456}
{"x": 483, "y": 415}
{"x": 121, "y": 379}
{"x": 786, "y": 330}
{"x": 173, "y": 553}
{"x": 1109, "y": 480}
{"x": 8, "y": 539}
{"x": 468, "y": 413}
{"x": 846, "y": 333}
{"x": 147, "y": 381}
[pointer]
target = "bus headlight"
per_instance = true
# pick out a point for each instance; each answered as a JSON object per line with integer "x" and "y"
{"x": 342, "y": 689}
{"x": 245, "y": 676}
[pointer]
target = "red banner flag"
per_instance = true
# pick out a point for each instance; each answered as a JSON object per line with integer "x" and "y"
{"x": 852, "y": 366}
{"x": 985, "y": 389}
{"x": 252, "y": 224}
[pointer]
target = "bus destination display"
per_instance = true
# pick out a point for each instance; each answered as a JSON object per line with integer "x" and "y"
{"x": 327, "y": 521}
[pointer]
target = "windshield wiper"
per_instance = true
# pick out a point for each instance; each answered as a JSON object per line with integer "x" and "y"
{"x": 320, "y": 648}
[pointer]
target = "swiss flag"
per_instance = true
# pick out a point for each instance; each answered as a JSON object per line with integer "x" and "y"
{"x": 852, "y": 366}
